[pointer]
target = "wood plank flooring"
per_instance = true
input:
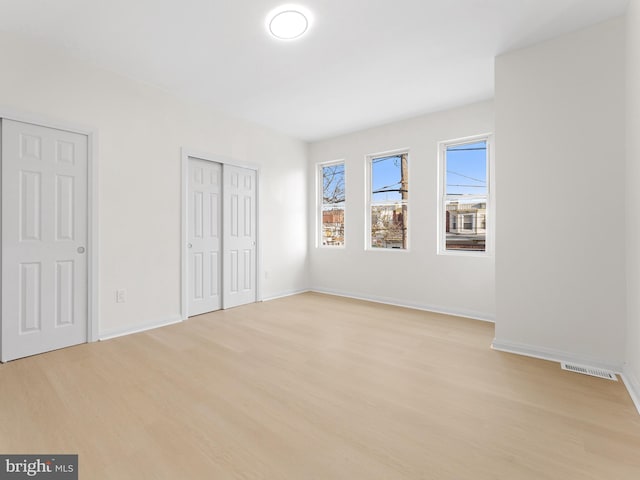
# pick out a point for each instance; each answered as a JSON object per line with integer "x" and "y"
{"x": 317, "y": 387}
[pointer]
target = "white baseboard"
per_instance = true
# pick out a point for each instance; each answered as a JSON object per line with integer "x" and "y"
{"x": 633, "y": 386}
{"x": 414, "y": 305}
{"x": 552, "y": 355}
{"x": 288, "y": 293}
{"x": 628, "y": 378}
{"x": 120, "y": 332}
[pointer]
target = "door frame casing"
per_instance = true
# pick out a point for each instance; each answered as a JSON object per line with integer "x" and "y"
{"x": 93, "y": 262}
{"x": 187, "y": 153}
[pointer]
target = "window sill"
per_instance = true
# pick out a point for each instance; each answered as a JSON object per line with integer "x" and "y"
{"x": 458, "y": 253}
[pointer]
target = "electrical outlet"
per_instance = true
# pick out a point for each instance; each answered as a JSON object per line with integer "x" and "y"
{"x": 266, "y": 274}
{"x": 121, "y": 296}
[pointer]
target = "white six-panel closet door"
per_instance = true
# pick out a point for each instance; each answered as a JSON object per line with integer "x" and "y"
{"x": 239, "y": 236}
{"x": 204, "y": 209}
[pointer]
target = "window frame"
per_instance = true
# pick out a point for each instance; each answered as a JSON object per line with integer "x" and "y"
{"x": 320, "y": 203}
{"x": 489, "y": 217}
{"x": 369, "y": 203}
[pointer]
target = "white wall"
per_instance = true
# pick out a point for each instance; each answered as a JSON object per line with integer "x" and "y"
{"x": 140, "y": 132}
{"x": 419, "y": 277}
{"x": 560, "y": 263}
{"x": 632, "y": 367}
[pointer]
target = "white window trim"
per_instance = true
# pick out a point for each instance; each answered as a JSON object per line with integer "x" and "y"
{"x": 490, "y": 218}
{"x": 319, "y": 204}
{"x": 368, "y": 202}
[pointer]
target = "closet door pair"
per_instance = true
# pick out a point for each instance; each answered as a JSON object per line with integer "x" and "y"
{"x": 221, "y": 226}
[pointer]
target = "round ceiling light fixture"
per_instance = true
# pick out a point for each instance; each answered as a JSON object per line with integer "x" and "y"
{"x": 288, "y": 22}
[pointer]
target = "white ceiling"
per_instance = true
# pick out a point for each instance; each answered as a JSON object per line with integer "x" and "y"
{"x": 362, "y": 63}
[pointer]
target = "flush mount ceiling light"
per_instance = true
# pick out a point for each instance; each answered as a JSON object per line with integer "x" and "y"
{"x": 288, "y": 22}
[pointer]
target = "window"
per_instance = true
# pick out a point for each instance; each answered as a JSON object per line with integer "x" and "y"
{"x": 332, "y": 198}
{"x": 388, "y": 201}
{"x": 465, "y": 187}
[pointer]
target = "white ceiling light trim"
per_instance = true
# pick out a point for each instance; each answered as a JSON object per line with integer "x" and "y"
{"x": 288, "y": 22}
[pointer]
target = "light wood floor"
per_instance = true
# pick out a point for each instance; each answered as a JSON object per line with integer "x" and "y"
{"x": 317, "y": 387}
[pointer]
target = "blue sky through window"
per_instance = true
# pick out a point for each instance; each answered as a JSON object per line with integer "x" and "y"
{"x": 385, "y": 179}
{"x": 467, "y": 169}
{"x": 333, "y": 184}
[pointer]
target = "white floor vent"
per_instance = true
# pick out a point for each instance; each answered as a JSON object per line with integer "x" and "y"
{"x": 594, "y": 372}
